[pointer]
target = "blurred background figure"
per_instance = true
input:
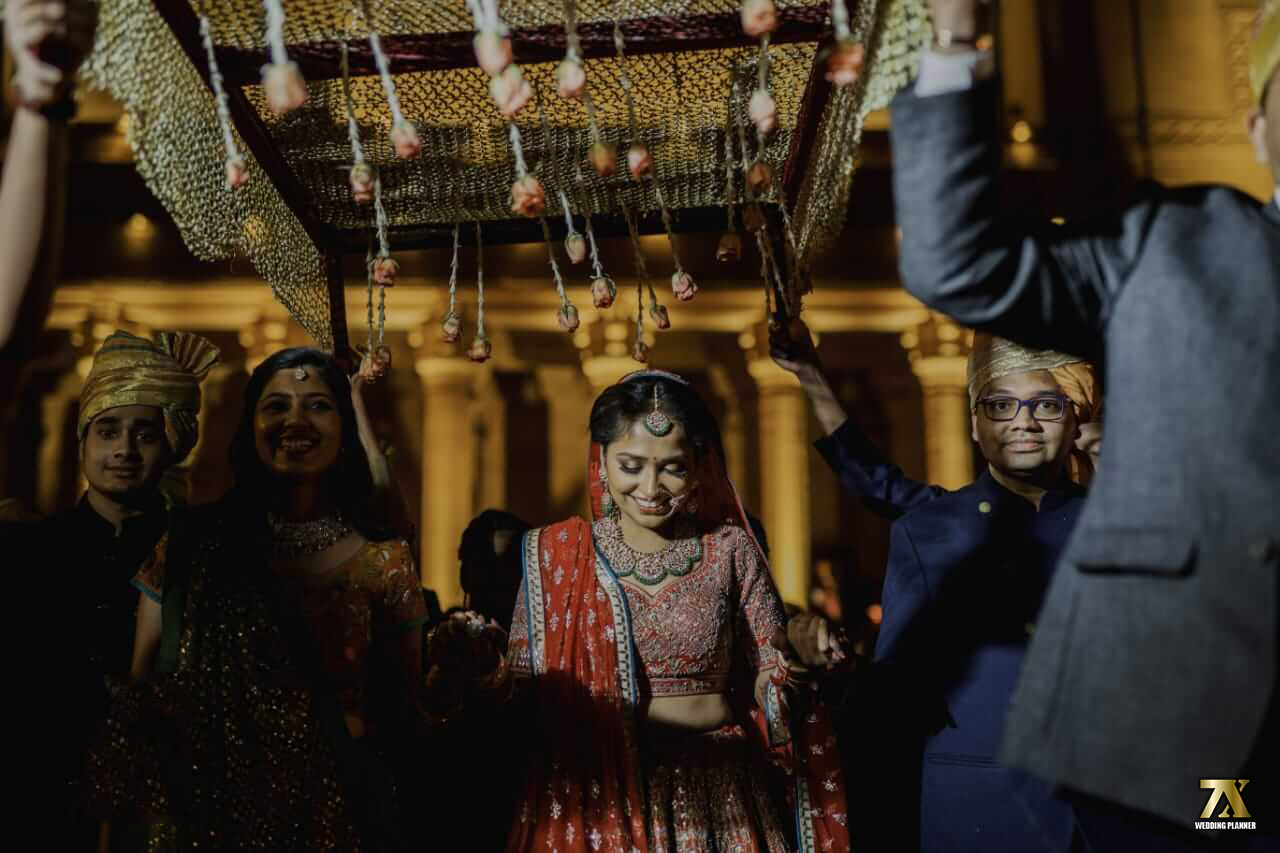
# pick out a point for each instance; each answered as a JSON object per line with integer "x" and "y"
{"x": 489, "y": 564}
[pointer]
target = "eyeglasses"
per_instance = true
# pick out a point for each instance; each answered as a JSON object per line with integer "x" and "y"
{"x": 1044, "y": 407}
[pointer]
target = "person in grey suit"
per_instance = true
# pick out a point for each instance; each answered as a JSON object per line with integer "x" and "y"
{"x": 1153, "y": 666}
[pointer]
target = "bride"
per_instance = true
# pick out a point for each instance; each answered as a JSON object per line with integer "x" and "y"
{"x": 663, "y": 718}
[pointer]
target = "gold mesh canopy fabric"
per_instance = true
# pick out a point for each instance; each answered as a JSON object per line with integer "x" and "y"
{"x": 684, "y": 110}
{"x": 466, "y": 168}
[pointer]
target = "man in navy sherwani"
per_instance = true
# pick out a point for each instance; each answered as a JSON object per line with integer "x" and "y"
{"x": 966, "y": 574}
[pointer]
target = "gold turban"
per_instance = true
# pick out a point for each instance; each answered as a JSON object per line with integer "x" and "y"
{"x": 993, "y": 358}
{"x": 1079, "y": 381}
{"x": 165, "y": 373}
{"x": 1264, "y": 54}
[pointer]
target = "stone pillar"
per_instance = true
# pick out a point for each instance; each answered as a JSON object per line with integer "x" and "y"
{"x": 55, "y": 408}
{"x": 568, "y": 397}
{"x": 784, "y": 472}
{"x": 938, "y": 350}
{"x": 448, "y": 475}
{"x": 606, "y": 352}
{"x": 489, "y": 427}
{"x": 733, "y": 428}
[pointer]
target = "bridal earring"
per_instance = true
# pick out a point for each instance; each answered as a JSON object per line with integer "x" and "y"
{"x": 607, "y": 507}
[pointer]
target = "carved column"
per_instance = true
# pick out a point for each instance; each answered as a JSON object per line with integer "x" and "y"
{"x": 568, "y": 396}
{"x": 784, "y": 472}
{"x": 606, "y": 352}
{"x": 55, "y": 409}
{"x": 938, "y": 350}
{"x": 448, "y": 476}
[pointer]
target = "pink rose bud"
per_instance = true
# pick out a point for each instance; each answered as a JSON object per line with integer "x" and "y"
{"x": 368, "y": 369}
{"x": 640, "y": 351}
{"x": 510, "y": 91}
{"x": 284, "y": 87}
{"x": 763, "y": 111}
{"x": 237, "y": 173}
{"x": 603, "y": 292}
{"x": 361, "y": 180}
{"x": 528, "y": 197}
{"x": 575, "y": 246}
{"x": 760, "y": 177}
{"x": 603, "y": 158}
{"x": 374, "y": 367}
{"x": 451, "y": 328}
{"x": 480, "y": 350}
{"x": 639, "y": 162}
{"x": 683, "y": 285}
{"x": 759, "y": 17}
{"x": 385, "y": 270}
{"x": 753, "y": 218}
{"x": 844, "y": 63}
{"x": 493, "y": 52}
{"x": 730, "y": 248}
{"x": 568, "y": 318}
{"x": 571, "y": 79}
{"x": 661, "y": 318}
{"x": 404, "y": 137}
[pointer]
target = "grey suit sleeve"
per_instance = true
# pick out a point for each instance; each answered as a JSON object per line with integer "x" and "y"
{"x": 1044, "y": 285}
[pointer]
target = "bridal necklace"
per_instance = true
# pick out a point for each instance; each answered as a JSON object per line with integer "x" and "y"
{"x": 675, "y": 560}
{"x": 293, "y": 539}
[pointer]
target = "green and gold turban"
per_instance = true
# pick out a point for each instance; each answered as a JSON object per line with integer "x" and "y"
{"x": 1264, "y": 54}
{"x": 165, "y": 373}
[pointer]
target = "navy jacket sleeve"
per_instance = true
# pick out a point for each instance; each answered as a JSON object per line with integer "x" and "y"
{"x": 865, "y": 471}
{"x": 1042, "y": 285}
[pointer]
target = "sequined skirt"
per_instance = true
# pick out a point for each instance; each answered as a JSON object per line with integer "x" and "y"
{"x": 709, "y": 792}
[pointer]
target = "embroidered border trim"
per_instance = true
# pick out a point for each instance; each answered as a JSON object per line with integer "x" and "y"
{"x": 805, "y": 835}
{"x": 624, "y": 642}
{"x": 535, "y": 603}
{"x": 688, "y": 685}
{"x": 779, "y": 734}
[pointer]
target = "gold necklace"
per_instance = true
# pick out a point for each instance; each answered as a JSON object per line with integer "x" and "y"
{"x": 676, "y": 559}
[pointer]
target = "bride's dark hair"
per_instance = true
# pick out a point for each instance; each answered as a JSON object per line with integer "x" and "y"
{"x": 621, "y": 405}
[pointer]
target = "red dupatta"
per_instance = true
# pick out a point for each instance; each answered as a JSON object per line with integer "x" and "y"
{"x": 572, "y": 632}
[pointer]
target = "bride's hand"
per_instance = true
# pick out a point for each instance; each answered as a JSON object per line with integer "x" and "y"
{"x": 810, "y": 639}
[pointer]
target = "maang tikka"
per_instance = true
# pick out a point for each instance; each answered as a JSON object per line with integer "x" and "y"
{"x": 657, "y": 422}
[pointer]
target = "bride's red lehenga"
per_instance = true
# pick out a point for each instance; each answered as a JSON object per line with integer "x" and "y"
{"x": 600, "y": 778}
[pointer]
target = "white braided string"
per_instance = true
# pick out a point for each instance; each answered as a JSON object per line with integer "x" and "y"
{"x": 840, "y": 20}
{"x": 275, "y": 31}
{"x": 453, "y": 270}
{"x": 219, "y": 92}
{"x": 353, "y": 129}
{"x": 384, "y": 73}
{"x": 555, "y": 266}
{"x": 480, "y": 333}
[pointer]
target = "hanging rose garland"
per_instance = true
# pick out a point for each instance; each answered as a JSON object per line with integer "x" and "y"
{"x": 237, "y": 169}
{"x": 282, "y": 82}
{"x": 451, "y": 326}
{"x": 846, "y": 58}
{"x": 480, "y": 349}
